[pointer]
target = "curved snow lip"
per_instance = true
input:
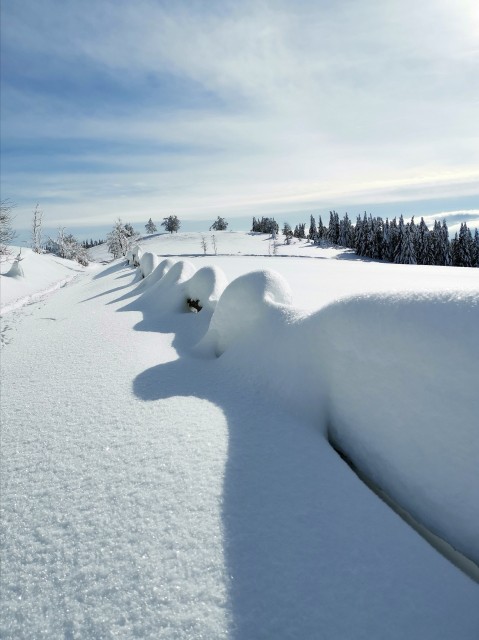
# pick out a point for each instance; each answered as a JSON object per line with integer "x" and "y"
{"x": 246, "y": 306}
{"x": 206, "y": 286}
{"x": 163, "y": 290}
{"x": 148, "y": 263}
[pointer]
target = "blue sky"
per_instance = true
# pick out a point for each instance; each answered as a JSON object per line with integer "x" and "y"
{"x": 146, "y": 108}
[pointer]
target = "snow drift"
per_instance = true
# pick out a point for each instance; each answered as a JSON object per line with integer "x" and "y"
{"x": 392, "y": 378}
{"x": 148, "y": 263}
{"x": 246, "y": 306}
{"x": 164, "y": 292}
{"x": 402, "y": 376}
{"x": 206, "y": 287}
{"x": 136, "y": 254}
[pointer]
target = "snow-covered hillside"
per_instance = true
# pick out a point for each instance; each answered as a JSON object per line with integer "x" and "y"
{"x": 168, "y": 474}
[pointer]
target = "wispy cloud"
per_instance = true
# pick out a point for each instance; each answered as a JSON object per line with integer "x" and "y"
{"x": 129, "y": 108}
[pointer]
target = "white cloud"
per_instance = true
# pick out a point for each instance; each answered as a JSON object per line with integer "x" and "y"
{"x": 311, "y": 102}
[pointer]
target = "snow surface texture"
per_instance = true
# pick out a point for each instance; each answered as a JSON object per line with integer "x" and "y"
{"x": 186, "y": 500}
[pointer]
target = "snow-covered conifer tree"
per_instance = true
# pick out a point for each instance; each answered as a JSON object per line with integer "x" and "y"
{"x": 408, "y": 253}
{"x": 387, "y": 245}
{"x": 219, "y": 224}
{"x": 312, "y": 229}
{"x": 475, "y": 262}
{"x": 398, "y": 249}
{"x": 321, "y": 231}
{"x": 37, "y": 230}
{"x": 7, "y": 234}
{"x": 171, "y": 224}
{"x": 150, "y": 227}
{"x": 421, "y": 241}
{"x": 446, "y": 258}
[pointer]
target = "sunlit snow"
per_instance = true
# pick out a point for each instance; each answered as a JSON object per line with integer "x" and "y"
{"x": 168, "y": 474}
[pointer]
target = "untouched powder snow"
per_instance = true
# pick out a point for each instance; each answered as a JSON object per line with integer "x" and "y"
{"x": 42, "y": 274}
{"x": 150, "y": 491}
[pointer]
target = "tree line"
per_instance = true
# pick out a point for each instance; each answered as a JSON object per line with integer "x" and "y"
{"x": 394, "y": 241}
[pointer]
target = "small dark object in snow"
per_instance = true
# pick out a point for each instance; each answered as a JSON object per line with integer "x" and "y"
{"x": 194, "y": 305}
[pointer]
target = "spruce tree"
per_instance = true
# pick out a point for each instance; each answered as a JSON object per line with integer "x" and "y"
{"x": 408, "y": 254}
{"x": 312, "y": 229}
{"x": 150, "y": 227}
{"x": 399, "y": 241}
{"x": 475, "y": 262}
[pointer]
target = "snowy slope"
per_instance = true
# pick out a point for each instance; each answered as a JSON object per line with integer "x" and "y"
{"x": 43, "y": 274}
{"x": 151, "y": 489}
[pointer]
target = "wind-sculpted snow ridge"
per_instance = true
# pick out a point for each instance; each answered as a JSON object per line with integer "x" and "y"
{"x": 402, "y": 385}
{"x": 160, "y": 270}
{"x": 164, "y": 287}
{"x": 247, "y": 306}
{"x": 392, "y": 378}
{"x": 206, "y": 287}
{"x": 148, "y": 263}
{"x": 170, "y": 286}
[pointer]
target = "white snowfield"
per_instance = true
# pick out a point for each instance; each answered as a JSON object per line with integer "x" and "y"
{"x": 44, "y": 274}
{"x": 168, "y": 474}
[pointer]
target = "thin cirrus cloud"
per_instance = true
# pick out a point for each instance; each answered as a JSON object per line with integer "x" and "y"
{"x": 118, "y": 108}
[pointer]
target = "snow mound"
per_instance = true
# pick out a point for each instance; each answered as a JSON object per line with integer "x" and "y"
{"x": 41, "y": 275}
{"x": 136, "y": 255}
{"x": 168, "y": 293}
{"x": 164, "y": 266}
{"x": 246, "y": 307}
{"x": 129, "y": 257}
{"x": 402, "y": 383}
{"x": 206, "y": 286}
{"x": 178, "y": 273}
{"x": 148, "y": 263}
{"x": 392, "y": 378}
{"x": 15, "y": 270}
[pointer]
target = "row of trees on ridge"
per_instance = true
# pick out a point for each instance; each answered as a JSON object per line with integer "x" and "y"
{"x": 395, "y": 241}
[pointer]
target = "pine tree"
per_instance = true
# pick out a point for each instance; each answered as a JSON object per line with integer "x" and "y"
{"x": 475, "y": 262}
{"x": 119, "y": 240}
{"x": 171, "y": 224}
{"x": 387, "y": 246}
{"x": 421, "y": 242}
{"x": 333, "y": 228}
{"x": 358, "y": 236}
{"x": 321, "y": 231}
{"x": 312, "y": 229}
{"x": 446, "y": 258}
{"x": 219, "y": 224}
{"x": 7, "y": 234}
{"x": 408, "y": 254}
{"x": 464, "y": 253}
{"x": 150, "y": 227}
{"x": 287, "y": 232}
{"x": 398, "y": 249}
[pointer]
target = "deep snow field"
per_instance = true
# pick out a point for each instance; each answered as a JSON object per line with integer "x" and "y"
{"x": 169, "y": 474}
